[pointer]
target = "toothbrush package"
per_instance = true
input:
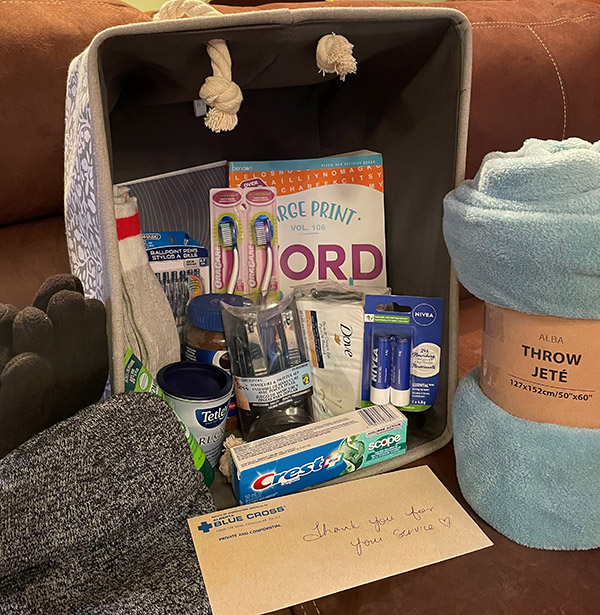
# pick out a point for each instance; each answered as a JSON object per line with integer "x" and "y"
{"x": 272, "y": 376}
{"x": 401, "y": 351}
{"x": 262, "y": 252}
{"x": 180, "y": 264}
{"x": 227, "y": 221}
{"x": 244, "y": 240}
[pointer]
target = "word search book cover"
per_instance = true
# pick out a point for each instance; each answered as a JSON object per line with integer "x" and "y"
{"x": 330, "y": 216}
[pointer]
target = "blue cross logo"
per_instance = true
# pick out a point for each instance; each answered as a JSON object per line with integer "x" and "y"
{"x": 205, "y": 527}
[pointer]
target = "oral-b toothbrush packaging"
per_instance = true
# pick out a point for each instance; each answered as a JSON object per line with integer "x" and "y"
{"x": 262, "y": 254}
{"x": 179, "y": 263}
{"x": 288, "y": 462}
{"x": 228, "y": 237}
{"x": 401, "y": 351}
{"x": 332, "y": 318}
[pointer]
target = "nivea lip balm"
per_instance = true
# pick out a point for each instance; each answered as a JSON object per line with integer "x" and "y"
{"x": 380, "y": 369}
{"x": 400, "y": 392}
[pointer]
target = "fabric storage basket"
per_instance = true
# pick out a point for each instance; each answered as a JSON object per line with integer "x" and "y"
{"x": 129, "y": 115}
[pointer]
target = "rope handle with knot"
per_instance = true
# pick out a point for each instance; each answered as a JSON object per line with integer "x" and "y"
{"x": 174, "y": 9}
{"x": 334, "y": 55}
{"x": 219, "y": 92}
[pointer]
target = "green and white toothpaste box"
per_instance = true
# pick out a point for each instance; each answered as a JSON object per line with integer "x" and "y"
{"x": 305, "y": 456}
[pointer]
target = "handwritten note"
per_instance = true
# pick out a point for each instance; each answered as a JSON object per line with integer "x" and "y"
{"x": 396, "y": 528}
{"x": 359, "y": 531}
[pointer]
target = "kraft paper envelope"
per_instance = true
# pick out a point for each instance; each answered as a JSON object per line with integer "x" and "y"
{"x": 273, "y": 554}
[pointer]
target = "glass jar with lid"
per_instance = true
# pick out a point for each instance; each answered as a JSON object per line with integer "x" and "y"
{"x": 204, "y": 337}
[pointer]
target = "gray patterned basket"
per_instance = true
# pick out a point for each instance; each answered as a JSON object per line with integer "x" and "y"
{"x": 129, "y": 115}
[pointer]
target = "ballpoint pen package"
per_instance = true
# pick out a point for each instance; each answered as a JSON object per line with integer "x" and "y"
{"x": 179, "y": 263}
{"x": 401, "y": 351}
{"x": 272, "y": 376}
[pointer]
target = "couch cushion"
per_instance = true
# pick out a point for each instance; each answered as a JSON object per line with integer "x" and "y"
{"x": 29, "y": 253}
{"x": 38, "y": 39}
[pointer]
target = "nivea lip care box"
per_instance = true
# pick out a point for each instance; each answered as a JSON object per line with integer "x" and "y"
{"x": 312, "y": 454}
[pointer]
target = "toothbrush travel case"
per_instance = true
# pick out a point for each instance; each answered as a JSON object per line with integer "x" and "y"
{"x": 129, "y": 114}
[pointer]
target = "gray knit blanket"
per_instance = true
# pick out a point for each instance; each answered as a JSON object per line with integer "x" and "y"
{"x": 93, "y": 515}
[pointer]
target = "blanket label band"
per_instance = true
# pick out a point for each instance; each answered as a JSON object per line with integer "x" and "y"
{"x": 542, "y": 368}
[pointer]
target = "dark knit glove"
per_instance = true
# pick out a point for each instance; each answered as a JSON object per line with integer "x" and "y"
{"x": 53, "y": 359}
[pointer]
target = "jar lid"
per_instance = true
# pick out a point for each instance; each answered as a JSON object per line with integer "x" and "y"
{"x": 194, "y": 381}
{"x": 204, "y": 311}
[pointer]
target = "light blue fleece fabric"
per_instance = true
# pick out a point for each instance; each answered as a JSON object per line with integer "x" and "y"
{"x": 525, "y": 233}
{"x": 536, "y": 483}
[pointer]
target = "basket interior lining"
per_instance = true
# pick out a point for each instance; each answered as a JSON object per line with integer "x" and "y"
{"x": 403, "y": 102}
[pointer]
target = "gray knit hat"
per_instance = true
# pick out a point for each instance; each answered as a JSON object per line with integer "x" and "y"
{"x": 93, "y": 515}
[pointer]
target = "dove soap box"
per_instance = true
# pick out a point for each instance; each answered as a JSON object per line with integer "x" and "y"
{"x": 298, "y": 458}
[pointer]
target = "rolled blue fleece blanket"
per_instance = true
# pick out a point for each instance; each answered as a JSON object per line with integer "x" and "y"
{"x": 536, "y": 483}
{"x": 525, "y": 233}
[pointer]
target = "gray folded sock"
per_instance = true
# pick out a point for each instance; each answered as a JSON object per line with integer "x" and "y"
{"x": 116, "y": 484}
{"x": 149, "y": 323}
{"x": 133, "y": 339}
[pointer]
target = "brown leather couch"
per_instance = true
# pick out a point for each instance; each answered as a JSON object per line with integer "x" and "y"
{"x": 536, "y": 65}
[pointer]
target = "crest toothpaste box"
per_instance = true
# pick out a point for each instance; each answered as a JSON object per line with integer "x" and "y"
{"x": 312, "y": 454}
